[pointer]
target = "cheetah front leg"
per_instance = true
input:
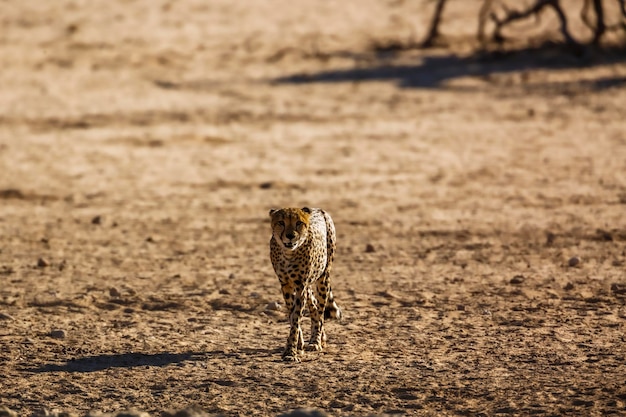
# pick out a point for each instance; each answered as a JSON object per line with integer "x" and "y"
{"x": 295, "y": 341}
{"x": 314, "y": 314}
{"x": 317, "y": 307}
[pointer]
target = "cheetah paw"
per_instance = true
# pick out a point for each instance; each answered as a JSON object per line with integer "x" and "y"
{"x": 314, "y": 347}
{"x": 291, "y": 357}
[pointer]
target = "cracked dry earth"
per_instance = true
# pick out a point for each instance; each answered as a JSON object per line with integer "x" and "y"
{"x": 480, "y": 209}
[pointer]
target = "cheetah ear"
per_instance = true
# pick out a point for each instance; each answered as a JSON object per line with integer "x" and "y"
{"x": 306, "y": 210}
{"x": 272, "y": 211}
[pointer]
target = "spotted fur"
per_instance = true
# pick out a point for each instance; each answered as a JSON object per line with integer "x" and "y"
{"x": 302, "y": 249}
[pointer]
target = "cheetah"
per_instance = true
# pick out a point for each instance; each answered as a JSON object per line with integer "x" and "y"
{"x": 302, "y": 249}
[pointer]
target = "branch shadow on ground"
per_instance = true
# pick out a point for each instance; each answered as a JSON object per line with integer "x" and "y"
{"x": 123, "y": 360}
{"x": 435, "y": 71}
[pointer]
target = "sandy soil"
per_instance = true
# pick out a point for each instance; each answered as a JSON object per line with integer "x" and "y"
{"x": 479, "y": 203}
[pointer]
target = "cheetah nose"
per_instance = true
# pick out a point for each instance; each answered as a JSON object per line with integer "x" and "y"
{"x": 290, "y": 236}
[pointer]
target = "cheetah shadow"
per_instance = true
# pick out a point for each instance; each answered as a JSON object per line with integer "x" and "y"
{"x": 102, "y": 362}
{"x": 124, "y": 360}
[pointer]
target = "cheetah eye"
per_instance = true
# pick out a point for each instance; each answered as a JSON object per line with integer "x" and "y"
{"x": 281, "y": 223}
{"x": 299, "y": 224}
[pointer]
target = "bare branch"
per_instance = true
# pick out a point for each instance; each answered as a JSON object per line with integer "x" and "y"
{"x": 556, "y": 5}
{"x": 483, "y": 15}
{"x": 515, "y": 15}
{"x": 593, "y": 15}
{"x": 535, "y": 9}
{"x": 584, "y": 14}
{"x": 433, "y": 32}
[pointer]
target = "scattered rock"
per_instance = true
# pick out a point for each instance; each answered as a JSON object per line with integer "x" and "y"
{"x": 573, "y": 262}
{"x": 42, "y": 263}
{"x": 6, "y": 316}
{"x": 57, "y": 334}
{"x": 6, "y": 412}
{"x": 273, "y": 306}
{"x": 550, "y": 237}
{"x": 97, "y": 220}
{"x": 131, "y": 413}
{"x": 369, "y": 248}
{"x": 127, "y": 413}
{"x": 187, "y": 412}
{"x": 266, "y": 185}
{"x": 305, "y": 412}
{"x": 114, "y": 292}
{"x": 6, "y": 270}
{"x": 618, "y": 288}
{"x": 42, "y": 412}
{"x": 387, "y": 294}
{"x": 12, "y": 193}
{"x": 517, "y": 279}
{"x": 604, "y": 235}
{"x": 232, "y": 276}
{"x": 568, "y": 287}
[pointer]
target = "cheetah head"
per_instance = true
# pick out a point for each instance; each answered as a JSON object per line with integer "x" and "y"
{"x": 290, "y": 226}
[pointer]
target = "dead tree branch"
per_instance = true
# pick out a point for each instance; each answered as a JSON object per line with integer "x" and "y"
{"x": 535, "y": 9}
{"x": 593, "y": 14}
{"x": 433, "y": 32}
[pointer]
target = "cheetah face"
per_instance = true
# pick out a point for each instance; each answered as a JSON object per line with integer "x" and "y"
{"x": 290, "y": 226}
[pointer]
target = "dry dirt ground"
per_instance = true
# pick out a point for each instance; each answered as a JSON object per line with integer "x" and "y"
{"x": 479, "y": 202}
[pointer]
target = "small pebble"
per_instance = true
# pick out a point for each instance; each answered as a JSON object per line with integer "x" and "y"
{"x": 114, "y": 292}
{"x": 618, "y": 288}
{"x": 568, "y": 287}
{"x": 273, "y": 306}
{"x": 369, "y": 248}
{"x": 304, "y": 412}
{"x": 57, "y": 334}
{"x": 131, "y": 413}
{"x": 42, "y": 263}
{"x": 517, "y": 279}
{"x": 97, "y": 220}
{"x": 7, "y": 412}
{"x": 5, "y": 316}
{"x": 573, "y": 261}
